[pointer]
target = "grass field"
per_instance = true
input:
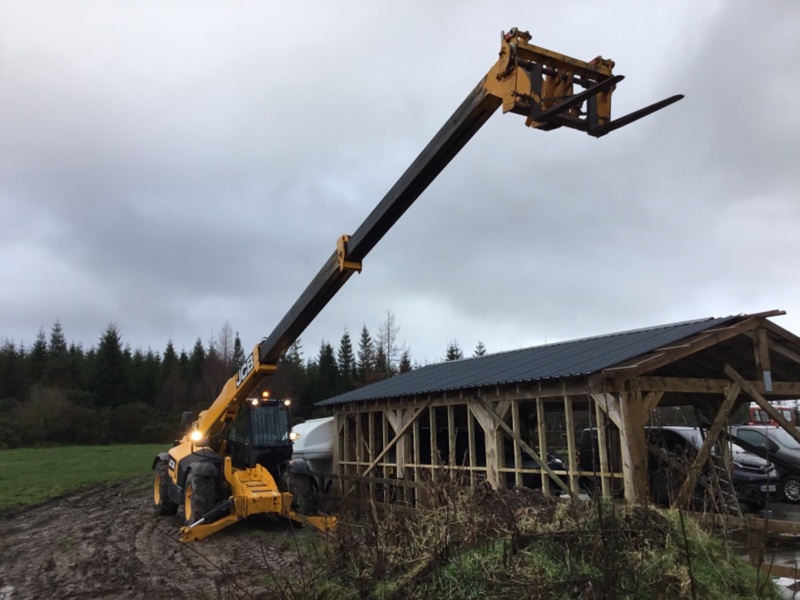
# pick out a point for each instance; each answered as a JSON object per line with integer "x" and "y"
{"x": 32, "y": 475}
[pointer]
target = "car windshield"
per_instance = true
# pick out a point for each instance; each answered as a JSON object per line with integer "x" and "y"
{"x": 784, "y": 438}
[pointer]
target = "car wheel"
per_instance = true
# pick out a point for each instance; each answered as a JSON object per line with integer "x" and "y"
{"x": 791, "y": 489}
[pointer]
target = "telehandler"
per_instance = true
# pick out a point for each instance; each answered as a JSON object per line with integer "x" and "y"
{"x": 235, "y": 459}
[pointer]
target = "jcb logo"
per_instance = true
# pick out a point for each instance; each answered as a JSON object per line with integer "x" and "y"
{"x": 245, "y": 370}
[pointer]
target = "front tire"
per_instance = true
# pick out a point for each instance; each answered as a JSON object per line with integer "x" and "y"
{"x": 791, "y": 489}
{"x": 161, "y": 502}
{"x": 198, "y": 497}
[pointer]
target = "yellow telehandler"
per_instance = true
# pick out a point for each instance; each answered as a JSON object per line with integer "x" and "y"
{"x": 235, "y": 459}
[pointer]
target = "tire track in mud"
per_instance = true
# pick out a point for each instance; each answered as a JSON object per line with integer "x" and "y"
{"x": 105, "y": 543}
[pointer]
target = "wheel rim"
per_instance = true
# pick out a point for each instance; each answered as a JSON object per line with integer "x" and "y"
{"x": 187, "y": 503}
{"x": 791, "y": 489}
{"x": 157, "y": 489}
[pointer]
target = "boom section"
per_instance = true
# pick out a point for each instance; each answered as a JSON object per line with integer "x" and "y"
{"x": 527, "y": 80}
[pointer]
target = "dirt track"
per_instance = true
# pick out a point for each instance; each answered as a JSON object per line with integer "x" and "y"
{"x": 106, "y": 543}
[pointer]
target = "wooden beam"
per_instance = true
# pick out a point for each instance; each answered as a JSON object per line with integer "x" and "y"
{"x": 761, "y": 351}
{"x": 399, "y": 434}
{"x": 515, "y": 436}
{"x": 651, "y": 400}
{"x": 694, "y": 385}
{"x": 762, "y": 402}
{"x": 779, "y": 349}
{"x": 701, "y": 341}
{"x": 705, "y": 450}
{"x": 781, "y": 332}
{"x": 609, "y": 404}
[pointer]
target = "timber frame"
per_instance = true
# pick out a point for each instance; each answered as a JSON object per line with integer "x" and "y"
{"x": 390, "y": 448}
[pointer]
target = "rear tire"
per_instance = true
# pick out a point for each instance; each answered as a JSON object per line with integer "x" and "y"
{"x": 791, "y": 489}
{"x": 198, "y": 497}
{"x": 161, "y": 502}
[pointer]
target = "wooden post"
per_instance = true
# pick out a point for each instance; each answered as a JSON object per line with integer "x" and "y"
{"x": 515, "y": 425}
{"x": 434, "y": 429}
{"x": 755, "y": 544}
{"x": 398, "y": 442}
{"x": 572, "y": 451}
{"x": 602, "y": 453}
{"x": 490, "y": 444}
{"x": 337, "y": 453}
{"x": 415, "y": 435}
{"x": 451, "y": 437}
{"x": 542, "y": 463}
{"x": 634, "y": 447}
{"x": 400, "y": 422}
{"x": 471, "y": 442}
{"x": 541, "y": 424}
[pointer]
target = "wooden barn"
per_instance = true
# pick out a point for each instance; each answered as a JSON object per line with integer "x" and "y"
{"x": 500, "y": 417}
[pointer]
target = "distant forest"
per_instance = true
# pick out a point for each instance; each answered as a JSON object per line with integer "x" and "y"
{"x": 59, "y": 393}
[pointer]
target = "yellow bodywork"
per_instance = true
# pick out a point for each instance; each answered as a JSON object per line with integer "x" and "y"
{"x": 253, "y": 492}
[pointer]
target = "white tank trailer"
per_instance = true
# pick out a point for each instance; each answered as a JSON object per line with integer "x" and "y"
{"x": 315, "y": 446}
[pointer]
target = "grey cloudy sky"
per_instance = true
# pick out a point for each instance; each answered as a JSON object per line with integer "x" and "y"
{"x": 171, "y": 167}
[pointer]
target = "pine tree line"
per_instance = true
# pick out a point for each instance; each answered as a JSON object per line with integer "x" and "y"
{"x": 55, "y": 392}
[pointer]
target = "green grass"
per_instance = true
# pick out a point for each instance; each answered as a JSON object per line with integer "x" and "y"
{"x": 30, "y": 476}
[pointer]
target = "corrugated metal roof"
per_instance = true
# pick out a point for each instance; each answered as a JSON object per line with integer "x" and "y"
{"x": 552, "y": 361}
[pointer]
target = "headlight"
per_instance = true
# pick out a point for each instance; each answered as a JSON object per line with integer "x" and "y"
{"x": 294, "y": 436}
{"x": 196, "y": 435}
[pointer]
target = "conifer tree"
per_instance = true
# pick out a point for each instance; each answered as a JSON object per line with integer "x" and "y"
{"x": 454, "y": 351}
{"x": 110, "y": 369}
{"x": 37, "y": 359}
{"x": 347, "y": 361}
{"x": 366, "y": 356}
{"x": 60, "y": 370}
{"x": 329, "y": 382}
{"x": 405, "y": 361}
{"x": 238, "y": 353}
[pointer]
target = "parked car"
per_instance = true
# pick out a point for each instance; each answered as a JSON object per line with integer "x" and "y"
{"x": 754, "y": 478}
{"x": 775, "y": 444}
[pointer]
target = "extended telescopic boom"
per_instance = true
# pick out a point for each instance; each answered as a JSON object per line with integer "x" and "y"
{"x": 526, "y": 80}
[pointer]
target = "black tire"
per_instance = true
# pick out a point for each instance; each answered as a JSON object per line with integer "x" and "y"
{"x": 161, "y": 502}
{"x": 790, "y": 488}
{"x": 304, "y": 490}
{"x": 198, "y": 497}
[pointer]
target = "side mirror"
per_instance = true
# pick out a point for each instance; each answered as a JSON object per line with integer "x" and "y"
{"x": 187, "y": 418}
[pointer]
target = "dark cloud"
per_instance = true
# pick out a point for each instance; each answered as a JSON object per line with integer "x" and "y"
{"x": 174, "y": 168}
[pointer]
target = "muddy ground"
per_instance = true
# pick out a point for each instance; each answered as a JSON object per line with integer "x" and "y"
{"x": 106, "y": 543}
